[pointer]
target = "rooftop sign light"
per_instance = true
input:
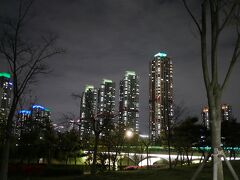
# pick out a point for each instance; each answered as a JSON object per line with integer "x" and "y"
{"x": 88, "y": 87}
{"x": 46, "y": 109}
{"x": 132, "y": 73}
{"x": 107, "y": 81}
{"x": 38, "y": 107}
{"x": 6, "y": 75}
{"x": 160, "y": 54}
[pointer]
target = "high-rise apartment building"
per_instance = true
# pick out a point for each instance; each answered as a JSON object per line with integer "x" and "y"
{"x": 226, "y": 114}
{"x": 106, "y": 103}
{"x": 205, "y": 117}
{"x": 160, "y": 95}
{"x": 129, "y": 101}
{"x": 226, "y": 111}
{"x": 5, "y": 96}
{"x": 37, "y": 117}
{"x": 88, "y": 111}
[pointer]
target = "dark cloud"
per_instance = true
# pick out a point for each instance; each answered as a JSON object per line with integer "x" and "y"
{"x": 104, "y": 38}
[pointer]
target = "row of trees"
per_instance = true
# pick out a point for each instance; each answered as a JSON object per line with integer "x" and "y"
{"x": 41, "y": 143}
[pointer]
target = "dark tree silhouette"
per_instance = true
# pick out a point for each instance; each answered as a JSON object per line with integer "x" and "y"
{"x": 179, "y": 111}
{"x": 186, "y": 135}
{"x": 26, "y": 60}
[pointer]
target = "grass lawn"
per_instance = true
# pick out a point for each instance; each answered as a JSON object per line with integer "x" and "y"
{"x": 181, "y": 173}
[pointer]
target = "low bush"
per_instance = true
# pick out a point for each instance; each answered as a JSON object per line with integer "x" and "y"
{"x": 44, "y": 170}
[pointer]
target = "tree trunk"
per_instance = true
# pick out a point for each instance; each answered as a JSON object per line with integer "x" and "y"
{"x": 6, "y": 145}
{"x": 49, "y": 157}
{"x": 4, "y": 160}
{"x": 147, "y": 158}
{"x": 188, "y": 160}
{"x": 215, "y": 117}
{"x": 109, "y": 159}
{"x": 169, "y": 149}
{"x": 176, "y": 160}
{"x": 114, "y": 164}
{"x": 93, "y": 168}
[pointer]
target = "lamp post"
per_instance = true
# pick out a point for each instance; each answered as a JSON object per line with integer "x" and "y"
{"x": 129, "y": 135}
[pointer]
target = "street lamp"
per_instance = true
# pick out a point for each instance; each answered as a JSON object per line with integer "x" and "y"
{"x": 129, "y": 135}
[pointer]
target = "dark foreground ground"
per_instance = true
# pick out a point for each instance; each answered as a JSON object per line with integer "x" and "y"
{"x": 180, "y": 173}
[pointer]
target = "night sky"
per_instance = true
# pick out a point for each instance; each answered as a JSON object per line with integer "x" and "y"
{"x": 104, "y": 38}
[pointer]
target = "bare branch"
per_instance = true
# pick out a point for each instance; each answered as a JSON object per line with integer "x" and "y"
{"x": 22, "y": 15}
{"x": 192, "y": 16}
{"x": 204, "y": 45}
{"x": 227, "y": 18}
{"x": 234, "y": 59}
{"x": 76, "y": 96}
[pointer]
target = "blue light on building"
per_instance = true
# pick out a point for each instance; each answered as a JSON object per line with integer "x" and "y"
{"x": 38, "y": 107}
{"x": 24, "y": 112}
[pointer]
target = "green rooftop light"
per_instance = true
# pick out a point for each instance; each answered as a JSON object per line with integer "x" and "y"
{"x": 107, "y": 81}
{"x": 160, "y": 54}
{"x": 132, "y": 73}
{"x": 88, "y": 87}
{"x": 46, "y": 109}
{"x": 6, "y": 75}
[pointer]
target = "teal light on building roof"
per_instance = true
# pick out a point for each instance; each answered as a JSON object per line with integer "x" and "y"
{"x": 6, "y": 75}
{"x": 130, "y": 73}
{"x": 160, "y": 54}
{"x": 107, "y": 81}
{"x": 88, "y": 87}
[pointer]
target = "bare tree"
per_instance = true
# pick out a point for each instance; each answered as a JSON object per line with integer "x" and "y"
{"x": 26, "y": 60}
{"x": 97, "y": 129}
{"x": 216, "y": 15}
{"x": 179, "y": 111}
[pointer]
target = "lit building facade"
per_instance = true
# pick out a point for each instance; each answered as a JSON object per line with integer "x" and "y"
{"x": 226, "y": 111}
{"x": 129, "y": 101}
{"x": 160, "y": 95}
{"x": 5, "y": 96}
{"x": 23, "y": 122}
{"x": 106, "y": 103}
{"x": 88, "y": 110}
{"x": 38, "y": 117}
{"x": 205, "y": 117}
{"x": 226, "y": 114}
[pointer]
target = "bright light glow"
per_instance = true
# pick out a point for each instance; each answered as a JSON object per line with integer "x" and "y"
{"x": 107, "y": 81}
{"x": 88, "y": 87}
{"x": 129, "y": 134}
{"x": 24, "y": 112}
{"x": 6, "y": 75}
{"x": 160, "y": 54}
{"x": 132, "y": 73}
{"x": 38, "y": 107}
{"x": 144, "y": 135}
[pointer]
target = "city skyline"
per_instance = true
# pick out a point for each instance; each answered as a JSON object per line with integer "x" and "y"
{"x": 95, "y": 42}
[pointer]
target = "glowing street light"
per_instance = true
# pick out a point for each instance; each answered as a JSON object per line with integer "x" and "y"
{"x": 129, "y": 134}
